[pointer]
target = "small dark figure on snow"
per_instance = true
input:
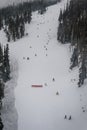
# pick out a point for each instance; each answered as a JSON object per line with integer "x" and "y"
{"x": 26, "y": 34}
{"x": 45, "y": 84}
{"x": 57, "y": 93}
{"x": 53, "y": 79}
{"x": 83, "y": 110}
{"x": 38, "y": 36}
{"x": 24, "y": 58}
{"x": 35, "y": 54}
{"x": 65, "y": 117}
{"x": 30, "y": 46}
{"x": 27, "y": 58}
{"x": 70, "y": 117}
{"x": 44, "y": 46}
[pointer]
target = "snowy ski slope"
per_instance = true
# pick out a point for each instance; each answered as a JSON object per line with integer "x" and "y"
{"x": 41, "y": 58}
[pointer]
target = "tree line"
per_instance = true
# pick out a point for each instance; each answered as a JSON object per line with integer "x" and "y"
{"x": 4, "y": 68}
{"x": 73, "y": 29}
{"x": 13, "y": 19}
{"x": 4, "y": 74}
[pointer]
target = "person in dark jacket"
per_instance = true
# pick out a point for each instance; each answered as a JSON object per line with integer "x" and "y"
{"x": 70, "y": 117}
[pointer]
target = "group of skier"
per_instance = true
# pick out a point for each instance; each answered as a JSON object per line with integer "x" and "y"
{"x": 69, "y": 118}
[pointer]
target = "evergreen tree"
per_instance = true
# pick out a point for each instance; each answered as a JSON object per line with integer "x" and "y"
{"x": 6, "y": 75}
{"x": 42, "y": 7}
{"x": 17, "y": 27}
{"x": 1, "y": 24}
{"x": 73, "y": 29}
{"x": 8, "y": 36}
{"x": 82, "y": 74}
{"x": 1, "y": 124}
{"x": 60, "y": 16}
{"x": 1, "y": 62}
{"x": 29, "y": 16}
{"x": 22, "y": 27}
{"x": 74, "y": 58}
{"x": 1, "y": 90}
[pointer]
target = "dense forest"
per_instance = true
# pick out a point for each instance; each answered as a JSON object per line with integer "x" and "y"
{"x": 4, "y": 73}
{"x": 73, "y": 29}
{"x": 14, "y": 17}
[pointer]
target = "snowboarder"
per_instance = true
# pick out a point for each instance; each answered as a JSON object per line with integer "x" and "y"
{"x": 27, "y": 58}
{"x": 70, "y": 117}
{"x": 45, "y": 84}
{"x": 57, "y": 93}
{"x": 53, "y": 79}
{"x": 83, "y": 110}
{"x": 30, "y": 46}
{"x": 35, "y": 54}
{"x": 26, "y": 34}
{"x": 65, "y": 117}
{"x": 46, "y": 49}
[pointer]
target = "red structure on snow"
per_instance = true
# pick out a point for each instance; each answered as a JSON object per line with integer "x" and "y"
{"x": 37, "y": 86}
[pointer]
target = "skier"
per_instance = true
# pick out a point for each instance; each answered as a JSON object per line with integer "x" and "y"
{"x": 53, "y": 79}
{"x": 57, "y": 93}
{"x": 70, "y": 117}
{"x": 27, "y": 58}
{"x": 65, "y": 117}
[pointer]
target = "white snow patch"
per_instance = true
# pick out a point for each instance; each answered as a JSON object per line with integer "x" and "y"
{"x": 8, "y": 113}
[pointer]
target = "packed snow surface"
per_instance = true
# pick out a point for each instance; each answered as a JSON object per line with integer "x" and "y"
{"x": 44, "y": 61}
